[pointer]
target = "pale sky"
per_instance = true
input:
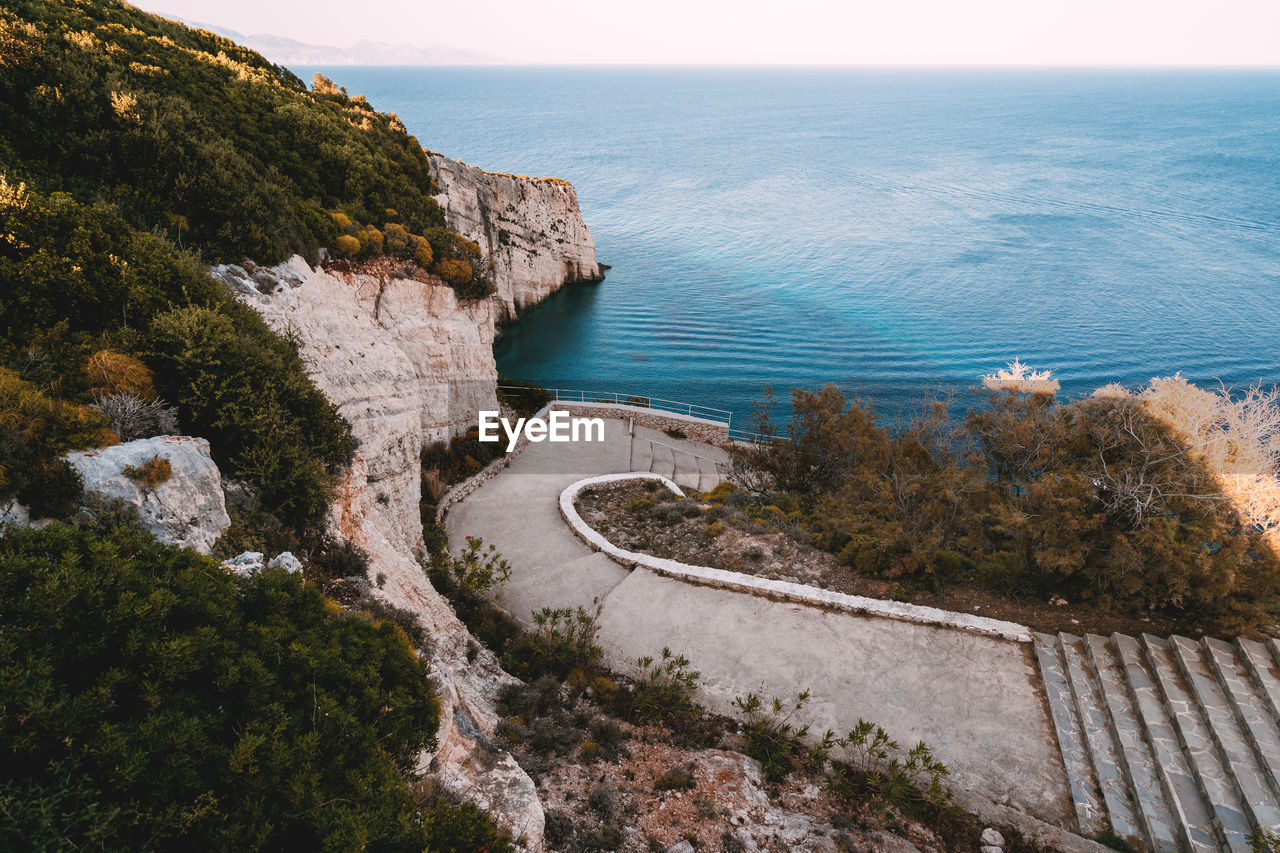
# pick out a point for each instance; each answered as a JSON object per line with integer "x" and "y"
{"x": 913, "y": 32}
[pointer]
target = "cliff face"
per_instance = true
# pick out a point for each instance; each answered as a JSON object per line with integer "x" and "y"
{"x": 406, "y": 363}
{"x": 529, "y": 229}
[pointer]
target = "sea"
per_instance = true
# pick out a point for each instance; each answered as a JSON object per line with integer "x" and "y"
{"x": 894, "y": 231}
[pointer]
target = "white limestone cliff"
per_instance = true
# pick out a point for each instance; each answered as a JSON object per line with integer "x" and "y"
{"x": 406, "y": 363}
{"x": 529, "y": 230}
{"x": 188, "y": 509}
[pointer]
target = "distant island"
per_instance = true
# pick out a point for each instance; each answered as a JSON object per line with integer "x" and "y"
{"x": 286, "y": 51}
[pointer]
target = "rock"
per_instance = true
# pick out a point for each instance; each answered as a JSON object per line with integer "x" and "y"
{"x": 681, "y": 846}
{"x": 188, "y": 509}
{"x": 285, "y": 561}
{"x": 992, "y": 838}
{"x": 990, "y": 848}
{"x": 245, "y": 564}
{"x": 529, "y": 230}
{"x": 15, "y": 513}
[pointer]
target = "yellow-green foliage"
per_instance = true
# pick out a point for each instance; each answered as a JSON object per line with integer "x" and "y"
{"x": 370, "y": 240}
{"x": 456, "y": 273}
{"x": 152, "y": 474}
{"x": 395, "y": 239}
{"x": 346, "y": 246}
{"x": 54, "y": 425}
{"x": 35, "y": 429}
{"x": 116, "y": 373}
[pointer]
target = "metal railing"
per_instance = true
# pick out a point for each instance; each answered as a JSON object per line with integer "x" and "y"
{"x": 573, "y": 395}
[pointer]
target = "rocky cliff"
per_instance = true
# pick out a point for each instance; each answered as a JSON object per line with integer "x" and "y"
{"x": 530, "y": 230}
{"x": 406, "y": 363}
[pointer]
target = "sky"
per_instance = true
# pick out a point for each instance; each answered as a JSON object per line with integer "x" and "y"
{"x": 855, "y": 32}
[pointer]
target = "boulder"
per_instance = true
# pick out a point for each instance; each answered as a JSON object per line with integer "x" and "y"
{"x": 285, "y": 561}
{"x": 245, "y": 564}
{"x": 187, "y": 509}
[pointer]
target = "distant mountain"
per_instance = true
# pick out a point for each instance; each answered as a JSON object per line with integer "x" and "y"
{"x": 286, "y": 51}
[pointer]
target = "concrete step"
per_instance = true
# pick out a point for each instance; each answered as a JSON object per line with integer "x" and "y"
{"x": 1197, "y": 754}
{"x": 1256, "y": 719}
{"x": 1104, "y": 753}
{"x": 1264, "y": 671}
{"x": 1193, "y": 824}
{"x": 1170, "y": 743}
{"x": 641, "y": 455}
{"x": 1137, "y": 757}
{"x": 1244, "y": 766}
{"x": 1091, "y": 818}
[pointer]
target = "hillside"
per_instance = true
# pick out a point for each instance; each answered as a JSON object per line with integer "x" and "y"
{"x": 153, "y": 698}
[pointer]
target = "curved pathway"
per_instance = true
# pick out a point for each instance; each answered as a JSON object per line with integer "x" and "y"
{"x": 975, "y": 699}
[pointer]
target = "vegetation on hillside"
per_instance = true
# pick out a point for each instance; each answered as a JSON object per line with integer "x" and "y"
{"x": 1093, "y": 499}
{"x": 150, "y": 700}
{"x": 94, "y": 309}
{"x": 189, "y": 133}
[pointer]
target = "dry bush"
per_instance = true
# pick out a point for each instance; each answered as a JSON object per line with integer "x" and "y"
{"x": 151, "y": 474}
{"x": 1236, "y": 437}
{"x": 116, "y": 373}
{"x": 133, "y": 416}
{"x": 1020, "y": 377}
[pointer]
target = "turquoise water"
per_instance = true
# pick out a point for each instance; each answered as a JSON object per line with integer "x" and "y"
{"x": 883, "y": 229}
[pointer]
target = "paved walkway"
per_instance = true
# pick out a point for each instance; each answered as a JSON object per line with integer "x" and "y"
{"x": 975, "y": 700}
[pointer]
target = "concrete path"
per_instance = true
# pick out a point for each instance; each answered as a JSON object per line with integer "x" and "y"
{"x": 975, "y": 700}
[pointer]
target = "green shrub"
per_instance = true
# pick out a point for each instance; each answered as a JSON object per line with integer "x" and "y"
{"x": 78, "y": 277}
{"x": 463, "y": 828}
{"x": 772, "y": 737}
{"x": 153, "y": 700}
{"x": 245, "y": 389}
{"x": 563, "y": 641}
{"x": 873, "y": 769}
{"x": 477, "y": 571}
{"x": 663, "y": 692}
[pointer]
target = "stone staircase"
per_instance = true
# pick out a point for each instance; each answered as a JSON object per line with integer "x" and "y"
{"x": 689, "y": 471}
{"x": 1170, "y": 743}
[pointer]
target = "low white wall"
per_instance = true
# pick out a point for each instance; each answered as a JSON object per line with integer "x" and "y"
{"x": 768, "y": 588}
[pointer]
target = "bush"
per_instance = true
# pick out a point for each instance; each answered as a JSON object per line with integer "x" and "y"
{"x": 245, "y": 389}
{"x": 78, "y": 277}
{"x": 336, "y": 557}
{"x": 113, "y": 373}
{"x": 676, "y": 779}
{"x": 1104, "y": 500}
{"x": 463, "y": 828}
{"x": 875, "y": 770}
{"x": 346, "y": 246}
{"x": 151, "y": 474}
{"x": 563, "y": 641}
{"x": 663, "y": 692}
{"x": 134, "y": 417}
{"x": 476, "y": 572}
{"x": 177, "y": 153}
{"x": 772, "y": 737}
{"x": 35, "y": 430}
{"x": 250, "y": 715}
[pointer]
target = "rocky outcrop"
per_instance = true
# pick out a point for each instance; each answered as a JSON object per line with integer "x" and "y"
{"x": 530, "y": 230}
{"x": 187, "y": 509}
{"x": 406, "y": 362}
